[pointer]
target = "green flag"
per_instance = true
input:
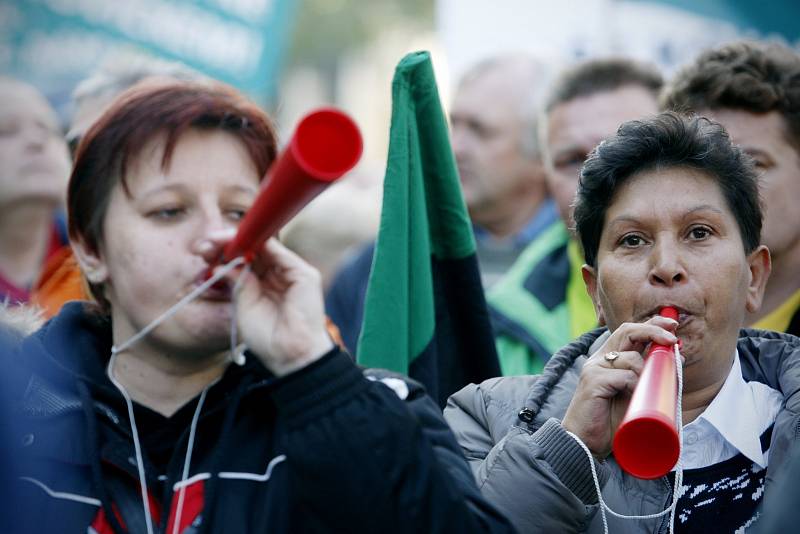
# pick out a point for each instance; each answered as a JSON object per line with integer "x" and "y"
{"x": 425, "y": 313}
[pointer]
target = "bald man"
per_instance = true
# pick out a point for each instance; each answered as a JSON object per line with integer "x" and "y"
{"x": 541, "y": 304}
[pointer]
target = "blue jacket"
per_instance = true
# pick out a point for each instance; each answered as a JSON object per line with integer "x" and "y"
{"x": 327, "y": 448}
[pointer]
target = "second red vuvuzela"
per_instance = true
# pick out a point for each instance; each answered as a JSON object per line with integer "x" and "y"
{"x": 646, "y": 443}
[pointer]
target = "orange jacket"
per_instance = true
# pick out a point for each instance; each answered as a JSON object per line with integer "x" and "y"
{"x": 60, "y": 281}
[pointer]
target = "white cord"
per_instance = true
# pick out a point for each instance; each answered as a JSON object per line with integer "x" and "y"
{"x": 239, "y": 359}
{"x": 188, "y": 459}
{"x": 221, "y": 272}
{"x": 237, "y": 356}
{"x": 136, "y": 445}
{"x": 678, "y": 488}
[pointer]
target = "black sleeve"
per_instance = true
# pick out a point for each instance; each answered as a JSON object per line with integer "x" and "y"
{"x": 374, "y": 454}
{"x": 14, "y": 379}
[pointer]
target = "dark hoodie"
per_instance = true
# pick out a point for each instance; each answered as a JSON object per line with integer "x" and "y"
{"x": 328, "y": 448}
{"x": 10, "y": 337}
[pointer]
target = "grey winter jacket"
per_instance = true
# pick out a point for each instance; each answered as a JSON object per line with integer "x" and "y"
{"x": 533, "y": 471}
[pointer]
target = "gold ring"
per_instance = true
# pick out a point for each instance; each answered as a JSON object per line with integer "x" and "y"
{"x": 611, "y": 356}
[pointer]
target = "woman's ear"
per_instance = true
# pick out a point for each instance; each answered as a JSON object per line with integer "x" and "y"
{"x": 760, "y": 264}
{"x": 92, "y": 265}
{"x": 590, "y": 279}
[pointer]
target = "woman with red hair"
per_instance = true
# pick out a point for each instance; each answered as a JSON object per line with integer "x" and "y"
{"x": 131, "y": 425}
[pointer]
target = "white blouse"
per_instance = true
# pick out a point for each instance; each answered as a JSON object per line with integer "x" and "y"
{"x": 732, "y": 423}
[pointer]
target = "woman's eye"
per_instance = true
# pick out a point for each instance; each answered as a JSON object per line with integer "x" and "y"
{"x": 236, "y": 214}
{"x": 699, "y": 232}
{"x": 631, "y": 241}
{"x": 166, "y": 214}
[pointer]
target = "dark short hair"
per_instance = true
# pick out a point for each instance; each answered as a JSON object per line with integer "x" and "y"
{"x": 668, "y": 140}
{"x": 601, "y": 75}
{"x": 138, "y": 116}
{"x": 746, "y": 75}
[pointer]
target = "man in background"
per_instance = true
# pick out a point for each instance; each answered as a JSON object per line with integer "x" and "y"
{"x": 494, "y": 136}
{"x": 93, "y": 95}
{"x": 753, "y": 90}
{"x": 541, "y": 304}
{"x": 494, "y": 139}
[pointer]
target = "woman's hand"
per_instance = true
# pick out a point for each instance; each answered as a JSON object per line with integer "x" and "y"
{"x": 605, "y": 387}
{"x": 280, "y": 311}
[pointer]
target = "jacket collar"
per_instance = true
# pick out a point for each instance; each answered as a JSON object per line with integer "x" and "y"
{"x": 75, "y": 346}
{"x": 737, "y": 410}
{"x": 772, "y": 358}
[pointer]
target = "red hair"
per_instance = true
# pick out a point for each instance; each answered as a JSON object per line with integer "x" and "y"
{"x": 138, "y": 116}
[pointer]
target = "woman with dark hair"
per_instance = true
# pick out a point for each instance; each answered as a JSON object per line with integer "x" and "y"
{"x": 131, "y": 427}
{"x": 668, "y": 215}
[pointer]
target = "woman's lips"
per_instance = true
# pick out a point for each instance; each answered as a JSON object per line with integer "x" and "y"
{"x": 221, "y": 290}
{"x": 683, "y": 313}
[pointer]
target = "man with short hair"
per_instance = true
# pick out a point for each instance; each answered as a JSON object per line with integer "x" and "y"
{"x": 668, "y": 214}
{"x": 541, "y": 303}
{"x": 494, "y": 137}
{"x": 494, "y": 131}
{"x": 753, "y": 90}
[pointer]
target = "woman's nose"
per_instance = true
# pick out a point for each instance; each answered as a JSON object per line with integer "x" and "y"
{"x": 667, "y": 267}
{"x": 211, "y": 244}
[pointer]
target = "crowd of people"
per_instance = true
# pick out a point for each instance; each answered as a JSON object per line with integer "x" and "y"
{"x": 598, "y": 194}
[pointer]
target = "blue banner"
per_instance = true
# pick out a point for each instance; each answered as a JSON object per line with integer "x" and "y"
{"x": 55, "y": 43}
{"x": 773, "y": 18}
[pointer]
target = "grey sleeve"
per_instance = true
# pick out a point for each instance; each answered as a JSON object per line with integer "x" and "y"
{"x": 540, "y": 480}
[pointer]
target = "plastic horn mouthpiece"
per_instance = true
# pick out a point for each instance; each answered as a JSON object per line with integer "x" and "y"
{"x": 646, "y": 443}
{"x": 325, "y": 145}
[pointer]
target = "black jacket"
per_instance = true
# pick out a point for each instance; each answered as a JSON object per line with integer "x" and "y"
{"x": 328, "y": 448}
